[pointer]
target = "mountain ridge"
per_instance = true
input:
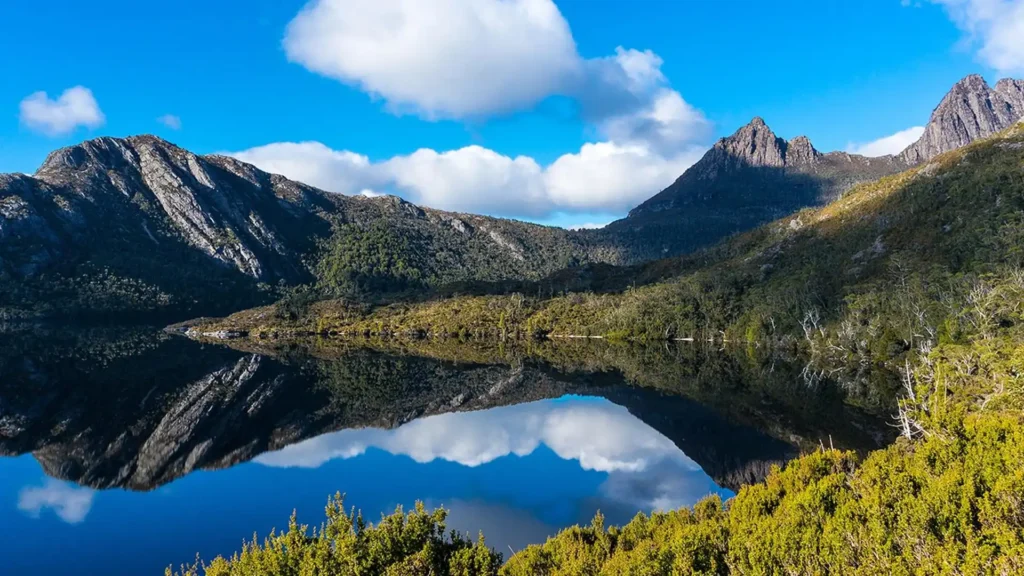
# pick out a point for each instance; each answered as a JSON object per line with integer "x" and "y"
{"x": 170, "y": 228}
{"x": 754, "y": 176}
{"x": 123, "y": 225}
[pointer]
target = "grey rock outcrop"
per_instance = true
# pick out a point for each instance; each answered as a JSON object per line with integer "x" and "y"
{"x": 756, "y": 167}
{"x": 239, "y": 223}
{"x": 970, "y": 111}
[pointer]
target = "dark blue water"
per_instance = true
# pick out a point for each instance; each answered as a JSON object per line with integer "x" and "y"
{"x": 125, "y": 453}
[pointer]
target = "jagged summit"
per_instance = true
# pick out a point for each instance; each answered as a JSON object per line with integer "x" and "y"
{"x": 800, "y": 151}
{"x": 969, "y": 111}
{"x": 755, "y": 144}
{"x": 754, "y": 176}
{"x": 105, "y": 151}
{"x": 745, "y": 179}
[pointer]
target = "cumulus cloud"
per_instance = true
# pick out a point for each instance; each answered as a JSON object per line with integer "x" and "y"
{"x": 994, "y": 27}
{"x": 643, "y": 466}
{"x": 631, "y": 103}
{"x": 447, "y": 58}
{"x": 892, "y": 144}
{"x": 75, "y": 107}
{"x": 487, "y": 57}
{"x": 610, "y": 177}
{"x": 171, "y": 121}
{"x": 470, "y": 179}
{"x": 70, "y": 503}
{"x": 317, "y": 165}
{"x": 601, "y": 177}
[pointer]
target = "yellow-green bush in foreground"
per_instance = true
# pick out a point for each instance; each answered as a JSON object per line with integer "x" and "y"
{"x": 401, "y": 544}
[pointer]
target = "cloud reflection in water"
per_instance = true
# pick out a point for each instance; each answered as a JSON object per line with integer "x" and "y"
{"x": 70, "y": 503}
{"x": 644, "y": 469}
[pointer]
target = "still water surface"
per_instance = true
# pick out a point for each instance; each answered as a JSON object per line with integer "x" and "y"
{"x": 126, "y": 452}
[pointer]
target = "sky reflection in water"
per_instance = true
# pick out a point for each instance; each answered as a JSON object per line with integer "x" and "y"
{"x": 519, "y": 473}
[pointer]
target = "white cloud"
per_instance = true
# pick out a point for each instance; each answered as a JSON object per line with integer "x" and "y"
{"x": 462, "y": 59}
{"x": 317, "y": 165}
{"x": 667, "y": 123}
{"x": 644, "y": 467}
{"x": 470, "y": 179}
{"x": 995, "y": 27}
{"x": 171, "y": 121}
{"x": 75, "y": 107}
{"x": 652, "y": 115}
{"x": 892, "y": 144}
{"x": 601, "y": 177}
{"x": 445, "y": 58}
{"x": 70, "y": 503}
{"x": 609, "y": 177}
{"x": 485, "y": 57}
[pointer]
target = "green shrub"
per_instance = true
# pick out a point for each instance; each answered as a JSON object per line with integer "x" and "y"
{"x": 401, "y": 544}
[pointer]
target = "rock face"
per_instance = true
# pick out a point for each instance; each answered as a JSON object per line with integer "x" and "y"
{"x": 244, "y": 223}
{"x": 139, "y": 224}
{"x": 145, "y": 222}
{"x": 754, "y": 176}
{"x": 971, "y": 110}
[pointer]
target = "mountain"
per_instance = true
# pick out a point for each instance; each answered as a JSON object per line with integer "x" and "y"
{"x": 138, "y": 224}
{"x": 754, "y": 176}
{"x": 969, "y": 112}
{"x": 746, "y": 179}
{"x": 909, "y": 260}
{"x": 121, "y": 226}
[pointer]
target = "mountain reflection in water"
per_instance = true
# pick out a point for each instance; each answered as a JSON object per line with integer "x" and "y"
{"x": 139, "y": 449}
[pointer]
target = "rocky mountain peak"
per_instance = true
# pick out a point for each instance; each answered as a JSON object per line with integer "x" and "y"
{"x": 106, "y": 152}
{"x": 800, "y": 151}
{"x": 754, "y": 144}
{"x": 969, "y": 111}
{"x": 971, "y": 83}
{"x": 157, "y": 193}
{"x": 110, "y": 153}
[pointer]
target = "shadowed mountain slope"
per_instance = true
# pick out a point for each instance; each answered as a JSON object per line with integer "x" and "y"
{"x": 754, "y": 176}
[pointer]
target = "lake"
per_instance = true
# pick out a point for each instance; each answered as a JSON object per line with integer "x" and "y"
{"x": 126, "y": 450}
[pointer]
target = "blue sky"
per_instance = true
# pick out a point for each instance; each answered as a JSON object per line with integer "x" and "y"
{"x": 566, "y": 113}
